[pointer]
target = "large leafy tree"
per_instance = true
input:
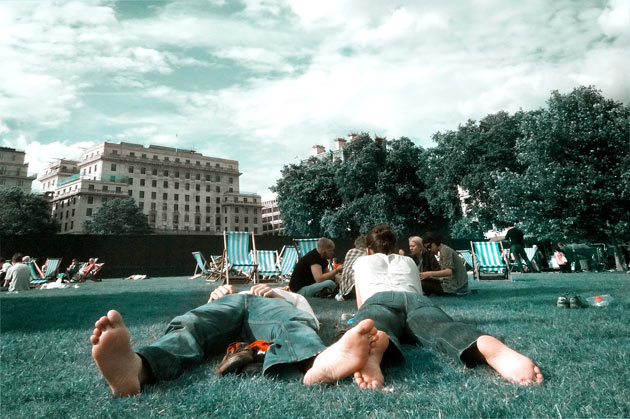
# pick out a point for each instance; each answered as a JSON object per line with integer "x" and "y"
{"x": 377, "y": 182}
{"x": 460, "y": 169}
{"x": 118, "y": 216}
{"x": 575, "y": 185}
{"x": 25, "y": 213}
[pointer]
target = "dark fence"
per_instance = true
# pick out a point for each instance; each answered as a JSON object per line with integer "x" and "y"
{"x": 153, "y": 255}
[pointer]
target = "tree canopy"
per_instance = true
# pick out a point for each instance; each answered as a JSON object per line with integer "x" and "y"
{"x": 576, "y": 155}
{"x": 25, "y": 213}
{"x": 118, "y": 216}
{"x": 377, "y": 182}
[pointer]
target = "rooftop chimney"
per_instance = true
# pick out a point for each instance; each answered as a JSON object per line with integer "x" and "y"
{"x": 318, "y": 149}
{"x": 341, "y": 143}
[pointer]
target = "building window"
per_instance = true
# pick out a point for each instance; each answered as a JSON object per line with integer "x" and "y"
{"x": 176, "y": 174}
{"x": 186, "y": 198}
{"x": 198, "y": 187}
{"x": 154, "y": 171}
{"x": 141, "y": 194}
{"x": 186, "y": 208}
{"x": 176, "y": 185}
{"x": 166, "y": 171}
{"x": 130, "y": 169}
{"x": 176, "y": 207}
{"x": 164, "y": 207}
{"x": 90, "y": 199}
{"x": 153, "y": 206}
{"x": 165, "y": 196}
{"x": 165, "y": 184}
{"x": 187, "y": 175}
{"x": 207, "y": 177}
{"x": 176, "y": 197}
{"x": 130, "y": 192}
{"x": 118, "y": 189}
{"x": 113, "y": 167}
{"x": 207, "y": 188}
{"x": 90, "y": 187}
{"x": 142, "y": 182}
{"x": 154, "y": 183}
{"x": 187, "y": 186}
{"x": 130, "y": 181}
{"x": 217, "y": 178}
{"x": 231, "y": 190}
{"x": 141, "y": 205}
{"x": 197, "y": 209}
{"x": 236, "y": 219}
{"x": 186, "y": 218}
{"x": 88, "y": 212}
{"x": 236, "y": 210}
{"x": 197, "y": 198}
{"x": 207, "y": 199}
{"x": 153, "y": 195}
{"x": 143, "y": 170}
{"x": 105, "y": 188}
{"x": 217, "y": 220}
{"x": 198, "y": 176}
{"x": 218, "y": 200}
{"x": 218, "y": 189}
{"x": 230, "y": 180}
{"x": 207, "y": 209}
{"x": 246, "y": 220}
{"x": 218, "y": 210}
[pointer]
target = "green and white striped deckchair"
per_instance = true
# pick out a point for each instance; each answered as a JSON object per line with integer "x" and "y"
{"x": 305, "y": 245}
{"x": 52, "y": 269}
{"x": 267, "y": 263}
{"x": 201, "y": 268}
{"x": 488, "y": 258}
{"x": 37, "y": 277}
{"x": 288, "y": 259}
{"x": 237, "y": 257}
{"x": 467, "y": 256}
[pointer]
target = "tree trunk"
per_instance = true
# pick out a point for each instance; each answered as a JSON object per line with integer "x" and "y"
{"x": 620, "y": 260}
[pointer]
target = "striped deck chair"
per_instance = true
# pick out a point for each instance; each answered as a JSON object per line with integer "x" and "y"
{"x": 288, "y": 259}
{"x": 201, "y": 268}
{"x": 305, "y": 245}
{"x": 52, "y": 269}
{"x": 468, "y": 258}
{"x": 489, "y": 261}
{"x": 37, "y": 277}
{"x": 237, "y": 257}
{"x": 267, "y": 264}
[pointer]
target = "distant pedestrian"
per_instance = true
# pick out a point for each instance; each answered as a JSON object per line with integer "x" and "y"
{"x": 515, "y": 237}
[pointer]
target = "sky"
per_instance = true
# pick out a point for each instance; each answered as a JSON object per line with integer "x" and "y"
{"x": 262, "y": 81}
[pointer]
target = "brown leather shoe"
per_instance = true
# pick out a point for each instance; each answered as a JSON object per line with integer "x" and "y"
{"x": 238, "y": 355}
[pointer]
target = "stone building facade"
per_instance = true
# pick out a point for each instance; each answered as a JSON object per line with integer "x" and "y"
{"x": 13, "y": 170}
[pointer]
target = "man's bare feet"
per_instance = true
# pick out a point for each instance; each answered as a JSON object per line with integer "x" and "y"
{"x": 344, "y": 357}
{"x": 512, "y": 365}
{"x": 371, "y": 376}
{"x": 111, "y": 349}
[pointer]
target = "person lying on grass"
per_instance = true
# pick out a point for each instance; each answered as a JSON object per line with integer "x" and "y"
{"x": 282, "y": 317}
{"x": 389, "y": 293}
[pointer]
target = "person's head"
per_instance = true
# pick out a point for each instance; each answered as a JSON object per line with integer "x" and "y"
{"x": 91, "y": 261}
{"x": 381, "y": 239}
{"x": 415, "y": 245}
{"x": 17, "y": 258}
{"x": 326, "y": 248}
{"x": 75, "y": 261}
{"x": 26, "y": 258}
{"x": 2, "y": 260}
{"x": 432, "y": 241}
{"x": 360, "y": 242}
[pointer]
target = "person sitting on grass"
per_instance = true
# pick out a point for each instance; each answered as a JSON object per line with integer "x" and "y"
{"x": 311, "y": 276}
{"x": 282, "y": 317}
{"x": 389, "y": 293}
{"x": 451, "y": 278}
{"x": 85, "y": 271}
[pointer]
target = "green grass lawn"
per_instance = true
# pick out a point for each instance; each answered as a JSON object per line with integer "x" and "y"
{"x": 47, "y": 369}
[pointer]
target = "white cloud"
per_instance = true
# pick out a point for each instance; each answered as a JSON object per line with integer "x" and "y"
{"x": 615, "y": 19}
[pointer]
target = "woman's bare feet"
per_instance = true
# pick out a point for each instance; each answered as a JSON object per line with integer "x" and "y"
{"x": 512, "y": 365}
{"x": 111, "y": 349}
{"x": 371, "y": 376}
{"x": 344, "y": 357}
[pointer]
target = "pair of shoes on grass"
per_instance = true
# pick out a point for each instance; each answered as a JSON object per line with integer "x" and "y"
{"x": 573, "y": 302}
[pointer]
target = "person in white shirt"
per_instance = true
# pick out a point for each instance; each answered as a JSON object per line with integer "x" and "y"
{"x": 18, "y": 275}
{"x": 282, "y": 317}
{"x": 389, "y": 292}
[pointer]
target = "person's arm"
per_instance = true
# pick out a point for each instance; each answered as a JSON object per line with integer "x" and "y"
{"x": 437, "y": 274}
{"x": 323, "y": 276}
{"x": 357, "y": 293}
{"x": 222, "y": 291}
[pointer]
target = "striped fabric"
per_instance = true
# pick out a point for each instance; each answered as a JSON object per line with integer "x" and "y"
{"x": 36, "y": 273}
{"x": 467, "y": 257}
{"x": 202, "y": 265}
{"x": 288, "y": 259}
{"x": 488, "y": 256}
{"x": 529, "y": 251}
{"x": 52, "y": 268}
{"x": 267, "y": 262}
{"x": 238, "y": 251}
{"x": 305, "y": 245}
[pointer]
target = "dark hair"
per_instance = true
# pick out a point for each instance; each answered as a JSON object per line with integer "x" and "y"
{"x": 359, "y": 242}
{"x": 381, "y": 239}
{"x": 2, "y": 260}
{"x": 16, "y": 258}
{"x": 431, "y": 237}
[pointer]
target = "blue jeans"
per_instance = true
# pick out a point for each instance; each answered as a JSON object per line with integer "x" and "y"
{"x": 406, "y": 314}
{"x": 209, "y": 329}
{"x": 311, "y": 290}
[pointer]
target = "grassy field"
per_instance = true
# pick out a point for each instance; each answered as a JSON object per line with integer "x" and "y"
{"x": 47, "y": 369}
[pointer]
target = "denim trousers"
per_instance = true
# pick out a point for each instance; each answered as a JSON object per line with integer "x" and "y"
{"x": 311, "y": 290}
{"x": 406, "y": 315}
{"x": 209, "y": 329}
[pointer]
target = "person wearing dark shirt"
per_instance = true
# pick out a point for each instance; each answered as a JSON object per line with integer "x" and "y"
{"x": 515, "y": 237}
{"x": 311, "y": 275}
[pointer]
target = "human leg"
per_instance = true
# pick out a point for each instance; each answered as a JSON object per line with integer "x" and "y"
{"x": 190, "y": 337}
{"x": 516, "y": 252}
{"x": 311, "y": 290}
{"x": 523, "y": 255}
{"x": 432, "y": 286}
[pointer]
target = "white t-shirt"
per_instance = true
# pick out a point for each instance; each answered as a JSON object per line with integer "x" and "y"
{"x": 296, "y": 299}
{"x": 381, "y": 273}
{"x": 5, "y": 267}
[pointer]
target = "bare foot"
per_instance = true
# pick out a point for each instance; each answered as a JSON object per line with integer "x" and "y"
{"x": 512, "y": 365}
{"x": 111, "y": 349}
{"x": 371, "y": 376}
{"x": 344, "y": 357}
